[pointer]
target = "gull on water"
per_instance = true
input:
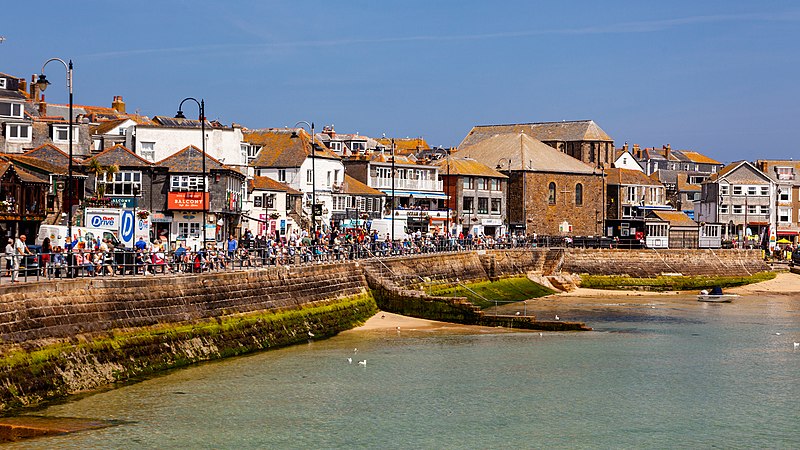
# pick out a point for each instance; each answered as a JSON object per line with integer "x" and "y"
{"x": 363, "y": 363}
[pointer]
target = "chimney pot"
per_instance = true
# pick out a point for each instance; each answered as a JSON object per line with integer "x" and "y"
{"x": 118, "y": 105}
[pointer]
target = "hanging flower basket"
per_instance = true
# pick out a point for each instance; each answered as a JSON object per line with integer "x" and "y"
{"x": 143, "y": 214}
{"x": 274, "y": 216}
{"x": 99, "y": 202}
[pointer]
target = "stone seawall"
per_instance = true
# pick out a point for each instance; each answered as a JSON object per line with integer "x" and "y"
{"x": 72, "y": 336}
{"x": 651, "y": 263}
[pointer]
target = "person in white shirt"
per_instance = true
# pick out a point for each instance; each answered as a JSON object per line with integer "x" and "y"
{"x": 20, "y": 250}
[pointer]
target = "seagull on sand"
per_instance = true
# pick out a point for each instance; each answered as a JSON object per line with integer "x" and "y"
{"x": 557, "y": 317}
{"x": 310, "y": 334}
{"x": 797, "y": 345}
{"x": 355, "y": 350}
{"x": 363, "y": 363}
{"x": 349, "y": 360}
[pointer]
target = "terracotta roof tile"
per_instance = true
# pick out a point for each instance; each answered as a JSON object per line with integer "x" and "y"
{"x": 284, "y": 147}
{"x": 267, "y": 183}
{"x": 355, "y": 187}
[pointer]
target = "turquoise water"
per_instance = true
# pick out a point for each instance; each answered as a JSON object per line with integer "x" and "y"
{"x": 657, "y": 377}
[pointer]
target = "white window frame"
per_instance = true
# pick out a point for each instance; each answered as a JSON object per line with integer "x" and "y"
{"x": 309, "y": 176}
{"x": 765, "y": 191}
{"x": 124, "y": 183}
{"x": 18, "y": 126}
{"x": 723, "y": 209}
{"x": 186, "y": 183}
{"x": 737, "y": 190}
{"x": 764, "y": 210}
{"x": 786, "y": 194}
{"x": 57, "y": 129}
{"x": 784, "y": 215}
{"x": 752, "y": 190}
{"x": 148, "y": 150}
{"x": 16, "y": 110}
{"x": 738, "y": 209}
{"x": 188, "y": 230}
{"x": 724, "y": 189}
{"x": 2, "y": 83}
{"x": 282, "y": 175}
{"x": 752, "y": 209}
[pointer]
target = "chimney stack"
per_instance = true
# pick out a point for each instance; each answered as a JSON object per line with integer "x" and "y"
{"x": 34, "y": 93}
{"x": 625, "y": 147}
{"x": 118, "y": 105}
{"x": 637, "y": 151}
{"x": 667, "y": 151}
{"x": 23, "y": 85}
{"x": 42, "y": 107}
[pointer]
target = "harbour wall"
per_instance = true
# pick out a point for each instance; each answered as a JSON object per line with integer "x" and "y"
{"x": 60, "y": 338}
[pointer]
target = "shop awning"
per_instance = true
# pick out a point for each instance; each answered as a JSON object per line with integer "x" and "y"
{"x": 416, "y": 194}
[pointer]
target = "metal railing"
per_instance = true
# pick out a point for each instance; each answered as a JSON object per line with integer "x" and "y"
{"x": 122, "y": 262}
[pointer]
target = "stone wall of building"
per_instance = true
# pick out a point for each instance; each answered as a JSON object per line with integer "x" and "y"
{"x": 545, "y": 219}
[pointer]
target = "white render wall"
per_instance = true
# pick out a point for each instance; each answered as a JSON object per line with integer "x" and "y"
{"x": 222, "y": 144}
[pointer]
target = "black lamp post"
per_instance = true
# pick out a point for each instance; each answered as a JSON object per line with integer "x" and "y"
{"x": 42, "y": 83}
{"x": 508, "y": 186}
{"x": 202, "y": 105}
{"x": 393, "y": 202}
{"x": 313, "y": 177}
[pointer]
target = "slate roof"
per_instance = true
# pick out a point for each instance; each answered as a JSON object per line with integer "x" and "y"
{"x": 519, "y": 147}
{"x": 723, "y": 172}
{"x": 280, "y": 149}
{"x": 768, "y": 166}
{"x": 39, "y": 165}
{"x": 190, "y": 160}
{"x": 268, "y": 184}
{"x": 51, "y": 155}
{"x": 567, "y": 131}
{"x": 675, "y": 218}
{"x": 120, "y": 156}
{"x": 628, "y": 177}
{"x": 466, "y": 166}
{"x": 354, "y": 187}
{"x": 23, "y": 175}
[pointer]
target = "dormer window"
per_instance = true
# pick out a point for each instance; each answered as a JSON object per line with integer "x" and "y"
{"x": 2, "y": 83}
{"x": 10, "y": 109}
{"x": 18, "y": 132}
{"x": 61, "y": 134}
{"x": 785, "y": 173}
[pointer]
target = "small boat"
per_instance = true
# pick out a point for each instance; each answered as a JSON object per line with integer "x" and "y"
{"x": 715, "y": 296}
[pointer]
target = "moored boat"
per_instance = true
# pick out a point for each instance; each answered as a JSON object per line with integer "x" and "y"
{"x": 715, "y": 296}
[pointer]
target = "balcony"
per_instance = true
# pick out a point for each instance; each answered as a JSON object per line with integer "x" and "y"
{"x": 405, "y": 184}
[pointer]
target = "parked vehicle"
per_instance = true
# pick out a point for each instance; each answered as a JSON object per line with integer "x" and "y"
{"x": 796, "y": 257}
{"x": 58, "y": 235}
{"x": 384, "y": 228}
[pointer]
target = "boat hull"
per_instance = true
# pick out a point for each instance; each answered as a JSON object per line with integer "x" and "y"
{"x": 724, "y": 298}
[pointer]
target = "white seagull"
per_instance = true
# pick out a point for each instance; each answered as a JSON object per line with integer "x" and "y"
{"x": 355, "y": 350}
{"x": 310, "y": 334}
{"x": 797, "y": 345}
{"x": 557, "y": 317}
{"x": 349, "y": 360}
{"x": 517, "y": 312}
{"x": 363, "y": 363}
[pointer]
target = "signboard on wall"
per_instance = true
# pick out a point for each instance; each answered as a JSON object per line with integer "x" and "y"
{"x": 106, "y": 218}
{"x": 187, "y": 201}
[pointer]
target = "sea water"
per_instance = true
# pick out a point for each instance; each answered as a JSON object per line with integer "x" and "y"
{"x": 659, "y": 377}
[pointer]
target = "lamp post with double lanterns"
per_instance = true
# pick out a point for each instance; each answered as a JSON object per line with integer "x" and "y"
{"x": 202, "y": 106}
{"x": 42, "y": 84}
{"x": 315, "y": 210}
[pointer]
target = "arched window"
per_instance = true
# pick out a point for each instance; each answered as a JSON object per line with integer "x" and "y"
{"x": 578, "y": 194}
{"x": 551, "y": 193}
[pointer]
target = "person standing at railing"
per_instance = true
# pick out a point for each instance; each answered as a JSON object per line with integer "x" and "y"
{"x": 232, "y": 245}
{"x": 20, "y": 250}
{"x": 9, "y": 255}
{"x": 44, "y": 258}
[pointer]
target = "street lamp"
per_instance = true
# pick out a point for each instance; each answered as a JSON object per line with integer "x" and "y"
{"x": 508, "y": 187}
{"x": 393, "y": 201}
{"x": 313, "y": 176}
{"x": 42, "y": 83}
{"x": 202, "y": 106}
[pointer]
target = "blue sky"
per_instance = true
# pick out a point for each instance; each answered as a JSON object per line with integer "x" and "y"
{"x": 719, "y": 77}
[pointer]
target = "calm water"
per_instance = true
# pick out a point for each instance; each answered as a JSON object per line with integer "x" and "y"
{"x": 704, "y": 376}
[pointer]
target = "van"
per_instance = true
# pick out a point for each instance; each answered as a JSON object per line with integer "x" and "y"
{"x": 58, "y": 235}
{"x": 384, "y": 229}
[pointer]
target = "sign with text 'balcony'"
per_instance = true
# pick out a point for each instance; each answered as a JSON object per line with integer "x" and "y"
{"x": 186, "y": 201}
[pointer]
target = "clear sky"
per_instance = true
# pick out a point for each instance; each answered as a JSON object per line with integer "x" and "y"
{"x": 719, "y": 77}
